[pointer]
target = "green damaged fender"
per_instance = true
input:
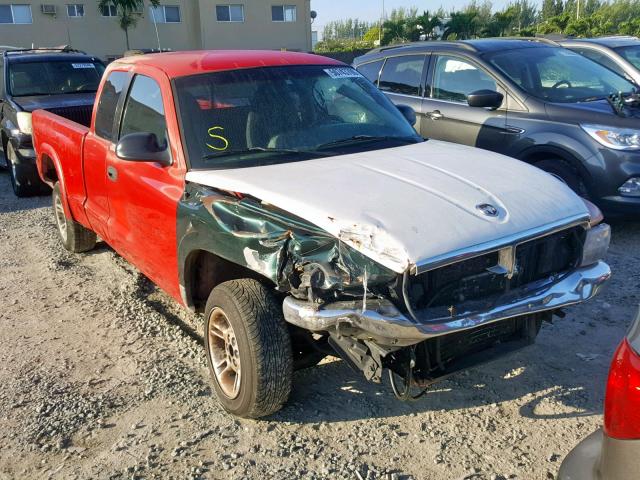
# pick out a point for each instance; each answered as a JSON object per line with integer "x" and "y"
{"x": 298, "y": 257}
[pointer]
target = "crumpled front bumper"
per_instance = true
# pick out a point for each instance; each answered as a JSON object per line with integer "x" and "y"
{"x": 381, "y": 321}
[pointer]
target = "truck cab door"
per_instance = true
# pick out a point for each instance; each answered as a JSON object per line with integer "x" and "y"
{"x": 143, "y": 195}
{"x": 448, "y": 115}
{"x": 98, "y": 146}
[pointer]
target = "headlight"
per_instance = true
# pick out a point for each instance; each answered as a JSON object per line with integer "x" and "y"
{"x": 630, "y": 188}
{"x": 596, "y": 244}
{"x": 24, "y": 122}
{"x": 595, "y": 215}
{"x": 614, "y": 137}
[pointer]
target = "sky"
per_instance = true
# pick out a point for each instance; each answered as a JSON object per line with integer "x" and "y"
{"x": 370, "y": 10}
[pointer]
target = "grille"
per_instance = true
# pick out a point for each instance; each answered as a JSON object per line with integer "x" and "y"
{"x": 470, "y": 280}
{"x": 80, "y": 114}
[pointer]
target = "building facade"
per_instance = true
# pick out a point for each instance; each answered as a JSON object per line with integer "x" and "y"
{"x": 175, "y": 25}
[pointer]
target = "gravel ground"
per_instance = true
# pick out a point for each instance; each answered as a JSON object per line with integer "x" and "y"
{"x": 103, "y": 376}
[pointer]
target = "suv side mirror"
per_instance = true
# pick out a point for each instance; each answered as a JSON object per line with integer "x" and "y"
{"x": 143, "y": 147}
{"x": 408, "y": 113}
{"x": 485, "y": 99}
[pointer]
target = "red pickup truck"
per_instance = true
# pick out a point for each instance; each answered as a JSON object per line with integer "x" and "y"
{"x": 288, "y": 199}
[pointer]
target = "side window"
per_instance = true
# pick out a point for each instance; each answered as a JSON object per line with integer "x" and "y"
{"x": 600, "y": 58}
{"x": 108, "y": 103}
{"x": 371, "y": 70}
{"x": 403, "y": 74}
{"x": 143, "y": 110}
{"x": 454, "y": 79}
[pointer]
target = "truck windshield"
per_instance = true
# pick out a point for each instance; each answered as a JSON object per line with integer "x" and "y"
{"x": 54, "y": 78}
{"x": 559, "y": 75}
{"x": 261, "y": 116}
{"x": 631, "y": 54}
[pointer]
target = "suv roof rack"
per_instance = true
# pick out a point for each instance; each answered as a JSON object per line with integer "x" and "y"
{"x": 546, "y": 40}
{"x": 60, "y": 49}
{"x": 461, "y": 44}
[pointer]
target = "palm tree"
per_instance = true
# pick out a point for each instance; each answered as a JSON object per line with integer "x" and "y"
{"x": 128, "y": 13}
{"x": 462, "y": 25}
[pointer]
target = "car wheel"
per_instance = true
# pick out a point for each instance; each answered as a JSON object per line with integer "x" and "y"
{"x": 22, "y": 185}
{"x": 74, "y": 237}
{"x": 566, "y": 173}
{"x": 248, "y": 348}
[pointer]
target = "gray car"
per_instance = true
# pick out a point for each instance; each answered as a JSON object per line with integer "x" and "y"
{"x": 620, "y": 54}
{"x": 529, "y": 99}
{"x": 613, "y": 452}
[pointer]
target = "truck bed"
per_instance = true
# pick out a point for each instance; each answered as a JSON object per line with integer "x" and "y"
{"x": 59, "y": 143}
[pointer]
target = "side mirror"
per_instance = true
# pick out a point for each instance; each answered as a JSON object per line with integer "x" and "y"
{"x": 143, "y": 147}
{"x": 485, "y": 99}
{"x": 408, "y": 113}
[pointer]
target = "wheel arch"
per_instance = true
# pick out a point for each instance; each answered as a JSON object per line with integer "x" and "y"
{"x": 537, "y": 154}
{"x": 202, "y": 270}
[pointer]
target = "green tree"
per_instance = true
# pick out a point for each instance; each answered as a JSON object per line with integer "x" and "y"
{"x": 128, "y": 13}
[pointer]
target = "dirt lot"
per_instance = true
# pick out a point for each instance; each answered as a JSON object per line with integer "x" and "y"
{"x": 103, "y": 376}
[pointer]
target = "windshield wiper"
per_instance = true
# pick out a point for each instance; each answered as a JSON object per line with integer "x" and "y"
{"x": 363, "y": 138}
{"x": 243, "y": 151}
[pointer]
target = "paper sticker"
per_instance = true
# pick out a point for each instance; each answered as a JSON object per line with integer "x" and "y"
{"x": 343, "y": 72}
{"x": 83, "y": 65}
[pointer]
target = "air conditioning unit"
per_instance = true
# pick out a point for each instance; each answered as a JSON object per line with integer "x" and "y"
{"x": 48, "y": 9}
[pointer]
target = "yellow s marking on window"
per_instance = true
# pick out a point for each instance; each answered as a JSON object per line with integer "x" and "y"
{"x": 224, "y": 143}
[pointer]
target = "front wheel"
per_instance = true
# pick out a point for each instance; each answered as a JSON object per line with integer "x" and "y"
{"x": 25, "y": 183}
{"x": 248, "y": 348}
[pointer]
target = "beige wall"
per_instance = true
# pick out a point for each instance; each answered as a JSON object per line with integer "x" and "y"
{"x": 257, "y": 31}
{"x": 101, "y": 36}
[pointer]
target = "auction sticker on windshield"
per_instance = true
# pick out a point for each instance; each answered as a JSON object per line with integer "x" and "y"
{"x": 83, "y": 65}
{"x": 342, "y": 72}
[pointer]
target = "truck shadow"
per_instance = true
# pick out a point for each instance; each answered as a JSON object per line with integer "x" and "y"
{"x": 9, "y": 203}
{"x": 541, "y": 385}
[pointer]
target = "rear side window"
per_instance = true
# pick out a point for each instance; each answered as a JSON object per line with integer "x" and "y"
{"x": 111, "y": 93}
{"x": 403, "y": 75}
{"x": 371, "y": 70}
{"x": 143, "y": 111}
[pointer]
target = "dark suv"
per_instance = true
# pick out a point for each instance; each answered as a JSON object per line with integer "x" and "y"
{"x": 62, "y": 81}
{"x": 526, "y": 98}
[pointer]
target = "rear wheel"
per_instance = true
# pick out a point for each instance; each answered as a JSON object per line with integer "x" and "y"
{"x": 566, "y": 173}
{"x": 74, "y": 237}
{"x": 248, "y": 348}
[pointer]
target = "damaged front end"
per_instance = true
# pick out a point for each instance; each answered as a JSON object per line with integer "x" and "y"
{"x": 423, "y": 324}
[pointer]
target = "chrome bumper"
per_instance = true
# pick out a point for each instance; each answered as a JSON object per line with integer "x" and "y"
{"x": 381, "y": 321}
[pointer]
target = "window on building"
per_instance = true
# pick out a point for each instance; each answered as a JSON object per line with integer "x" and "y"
{"x": 166, "y": 14}
{"x": 109, "y": 10}
{"x": 143, "y": 111}
{"x": 283, "y": 13}
{"x": 403, "y": 74}
{"x": 15, "y": 13}
{"x": 109, "y": 99}
{"x": 75, "y": 10}
{"x": 230, "y": 13}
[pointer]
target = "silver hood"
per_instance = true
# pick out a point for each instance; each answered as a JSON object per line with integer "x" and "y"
{"x": 403, "y": 206}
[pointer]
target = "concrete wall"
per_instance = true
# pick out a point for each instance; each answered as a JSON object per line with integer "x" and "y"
{"x": 101, "y": 36}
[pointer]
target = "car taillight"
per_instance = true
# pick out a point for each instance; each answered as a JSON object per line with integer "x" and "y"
{"x": 622, "y": 400}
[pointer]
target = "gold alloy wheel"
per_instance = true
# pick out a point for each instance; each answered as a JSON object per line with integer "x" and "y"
{"x": 61, "y": 220}
{"x": 224, "y": 353}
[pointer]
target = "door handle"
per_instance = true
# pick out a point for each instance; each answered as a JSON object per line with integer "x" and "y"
{"x": 112, "y": 173}
{"x": 435, "y": 115}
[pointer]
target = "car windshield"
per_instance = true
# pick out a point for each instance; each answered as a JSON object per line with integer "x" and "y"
{"x": 631, "y": 53}
{"x": 267, "y": 115}
{"x": 559, "y": 75}
{"x": 54, "y": 78}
